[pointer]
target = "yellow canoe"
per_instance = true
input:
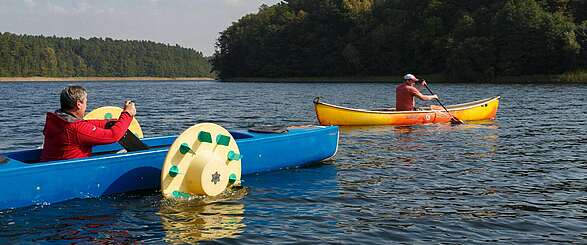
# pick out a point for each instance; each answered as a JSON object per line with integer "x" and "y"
{"x": 329, "y": 114}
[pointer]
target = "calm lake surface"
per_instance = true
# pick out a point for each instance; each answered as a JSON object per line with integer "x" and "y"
{"x": 519, "y": 179}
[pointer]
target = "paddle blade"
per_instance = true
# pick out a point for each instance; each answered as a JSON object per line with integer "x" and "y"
{"x": 456, "y": 121}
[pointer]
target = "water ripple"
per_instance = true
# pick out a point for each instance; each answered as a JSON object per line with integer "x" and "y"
{"x": 519, "y": 179}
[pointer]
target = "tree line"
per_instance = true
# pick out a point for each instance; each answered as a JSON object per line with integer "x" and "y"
{"x": 27, "y": 55}
{"x": 465, "y": 40}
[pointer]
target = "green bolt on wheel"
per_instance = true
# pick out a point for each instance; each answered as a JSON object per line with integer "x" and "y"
{"x": 233, "y": 156}
{"x": 204, "y": 136}
{"x": 184, "y": 148}
{"x": 173, "y": 171}
{"x": 179, "y": 194}
{"x": 223, "y": 140}
{"x": 232, "y": 178}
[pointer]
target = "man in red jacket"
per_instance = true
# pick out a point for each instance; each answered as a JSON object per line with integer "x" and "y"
{"x": 405, "y": 93}
{"x": 68, "y": 135}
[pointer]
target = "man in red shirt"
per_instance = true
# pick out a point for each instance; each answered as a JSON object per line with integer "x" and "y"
{"x": 68, "y": 136}
{"x": 405, "y": 93}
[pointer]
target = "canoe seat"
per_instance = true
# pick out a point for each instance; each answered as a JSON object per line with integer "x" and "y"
{"x": 3, "y": 159}
{"x": 269, "y": 129}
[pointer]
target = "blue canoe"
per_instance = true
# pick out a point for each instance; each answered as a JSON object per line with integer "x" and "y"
{"x": 26, "y": 182}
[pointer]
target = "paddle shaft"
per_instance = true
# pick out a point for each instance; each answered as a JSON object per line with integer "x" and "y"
{"x": 437, "y": 100}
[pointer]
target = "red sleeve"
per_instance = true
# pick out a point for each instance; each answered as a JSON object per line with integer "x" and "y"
{"x": 101, "y": 123}
{"x": 90, "y": 134}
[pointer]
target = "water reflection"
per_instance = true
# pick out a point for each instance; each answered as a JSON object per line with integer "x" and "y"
{"x": 410, "y": 128}
{"x": 353, "y": 130}
{"x": 86, "y": 228}
{"x": 203, "y": 219}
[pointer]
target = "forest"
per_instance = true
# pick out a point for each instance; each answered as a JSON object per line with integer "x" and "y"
{"x": 27, "y": 55}
{"x": 463, "y": 40}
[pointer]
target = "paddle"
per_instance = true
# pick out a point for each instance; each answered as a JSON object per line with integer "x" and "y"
{"x": 130, "y": 142}
{"x": 453, "y": 120}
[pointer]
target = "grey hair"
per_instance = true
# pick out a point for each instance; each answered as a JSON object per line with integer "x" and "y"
{"x": 71, "y": 95}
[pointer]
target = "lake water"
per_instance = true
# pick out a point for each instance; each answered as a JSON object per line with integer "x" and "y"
{"x": 519, "y": 179}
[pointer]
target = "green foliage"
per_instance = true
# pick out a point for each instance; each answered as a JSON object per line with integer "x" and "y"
{"x": 473, "y": 58}
{"x": 582, "y": 40}
{"x": 533, "y": 40}
{"x": 24, "y": 55}
{"x": 466, "y": 40}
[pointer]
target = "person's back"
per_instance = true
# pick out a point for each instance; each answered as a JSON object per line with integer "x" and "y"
{"x": 68, "y": 136}
{"x": 405, "y": 93}
{"x": 59, "y": 136}
{"x": 404, "y": 97}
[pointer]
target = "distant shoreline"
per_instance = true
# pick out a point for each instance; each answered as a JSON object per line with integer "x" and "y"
{"x": 574, "y": 77}
{"x": 93, "y": 79}
{"x": 571, "y": 77}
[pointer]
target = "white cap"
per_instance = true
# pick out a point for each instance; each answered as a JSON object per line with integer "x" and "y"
{"x": 410, "y": 77}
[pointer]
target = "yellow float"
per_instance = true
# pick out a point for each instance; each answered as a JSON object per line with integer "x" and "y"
{"x": 113, "y": 112}
{"x": 203, "y": 160}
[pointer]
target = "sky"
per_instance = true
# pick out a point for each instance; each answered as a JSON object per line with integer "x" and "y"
{"x": 190, "y": 23}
